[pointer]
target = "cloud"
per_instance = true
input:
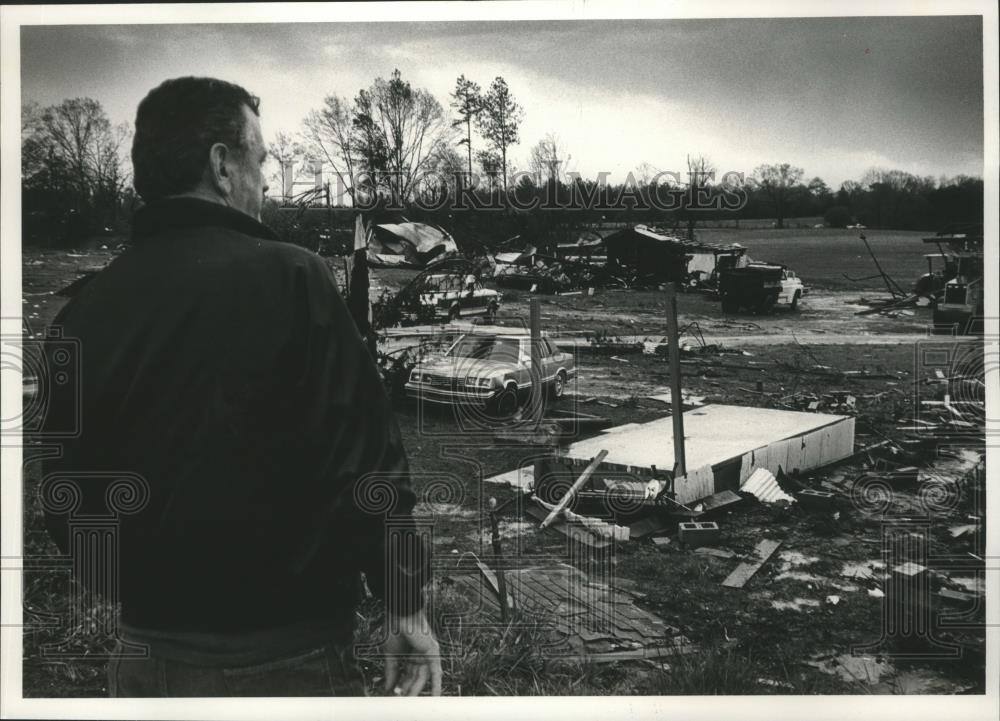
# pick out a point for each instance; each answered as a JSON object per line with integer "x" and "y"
{"x": 618, "y": 93}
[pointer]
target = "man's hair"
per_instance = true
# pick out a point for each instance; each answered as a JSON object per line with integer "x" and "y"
{"x": 175, "y": 127}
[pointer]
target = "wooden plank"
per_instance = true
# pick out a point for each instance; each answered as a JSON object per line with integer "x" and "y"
{"x": 571, "y": 530}
{"x": 568, "y": 496}
{"x": 494, "y": 582}
{"x": 745, "y": 571}
{"x": 716, "y": 552}
{"x": 641, "y": 653}
{"x": 718, "y": 500}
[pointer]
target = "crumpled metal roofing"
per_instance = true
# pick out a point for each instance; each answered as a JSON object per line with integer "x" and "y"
{"x": 765, "y": 488}
{"x": 672, "y": 240}
{"x": 423, "y": 237}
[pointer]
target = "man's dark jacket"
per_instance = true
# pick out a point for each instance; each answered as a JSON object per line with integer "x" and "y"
{"x": 221, "y": 366}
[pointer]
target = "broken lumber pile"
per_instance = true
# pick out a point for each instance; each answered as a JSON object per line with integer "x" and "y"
{"x": 595, "y": 621}
{"x": 595, "y": 526}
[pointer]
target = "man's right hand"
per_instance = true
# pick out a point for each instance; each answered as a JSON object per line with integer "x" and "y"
{"x": 411, "y": 644}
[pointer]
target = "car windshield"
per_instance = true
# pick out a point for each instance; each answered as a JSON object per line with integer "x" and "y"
{"x": 485, "y": 347}
{"x": 443, "y": 282}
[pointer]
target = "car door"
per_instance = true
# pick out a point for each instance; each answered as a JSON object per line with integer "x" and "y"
{"x": 550, "y": 359}
{"x": 786, "y": 283}
{"x": 524, "y": 363}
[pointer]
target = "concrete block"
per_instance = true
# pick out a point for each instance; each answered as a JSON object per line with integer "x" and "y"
{"x": 698, "y": 533}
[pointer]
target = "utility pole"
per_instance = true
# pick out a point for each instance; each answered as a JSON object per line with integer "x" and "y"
{"x": 676, "y": 405}
{"x": 536, "y": 398}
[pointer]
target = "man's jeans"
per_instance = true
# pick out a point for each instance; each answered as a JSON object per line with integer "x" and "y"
{"x": 326, "y": 671}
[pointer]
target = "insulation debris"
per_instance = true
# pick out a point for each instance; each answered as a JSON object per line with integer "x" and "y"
{"x": 763, "y": 485}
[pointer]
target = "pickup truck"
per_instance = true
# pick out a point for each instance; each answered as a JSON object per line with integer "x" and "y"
{"x": 759, "y": 287}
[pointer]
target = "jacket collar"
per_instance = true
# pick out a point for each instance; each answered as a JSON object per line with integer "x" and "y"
{"x": 169, "y": 214}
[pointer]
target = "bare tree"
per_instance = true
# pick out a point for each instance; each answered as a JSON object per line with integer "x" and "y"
{"x": 330, "y": 136}
{"x": 701, "y": 172}
{"x": 33, "y": 146}
{"x": 544, "y": 159}
{"x": 777, "y": 181}
{"x": 500, "y": 120}
{"x": 284, "y": 150}
{"x": 80, "y": 134}
{"x": 73, "y": 151}
{"x": 646, "y": 172}
{"x": 410, "y": 124}
{"x": 466, "y": 101}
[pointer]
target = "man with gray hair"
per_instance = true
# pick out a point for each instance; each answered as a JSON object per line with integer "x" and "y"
{"x": 221, "y": 367}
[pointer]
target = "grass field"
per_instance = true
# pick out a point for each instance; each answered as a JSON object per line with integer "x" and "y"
{"x": 822, "y": 256}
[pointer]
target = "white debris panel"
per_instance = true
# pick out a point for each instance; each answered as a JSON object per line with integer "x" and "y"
{"x": 732, "y": 441}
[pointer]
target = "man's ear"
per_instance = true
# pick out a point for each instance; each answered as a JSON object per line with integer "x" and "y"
{"x": 219, "y": 169}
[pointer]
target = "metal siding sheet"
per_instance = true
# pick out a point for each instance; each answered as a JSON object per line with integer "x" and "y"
{"x": 763, "y": 485}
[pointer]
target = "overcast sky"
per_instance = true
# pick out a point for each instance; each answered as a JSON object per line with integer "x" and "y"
{"x": 834, "y": 96}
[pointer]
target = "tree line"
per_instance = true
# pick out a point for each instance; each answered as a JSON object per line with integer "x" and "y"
{"x": 395, "y": 148}
{"x": 76, "y": 179}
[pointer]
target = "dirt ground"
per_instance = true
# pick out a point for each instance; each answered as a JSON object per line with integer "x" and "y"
{"x": 800, "y": 618}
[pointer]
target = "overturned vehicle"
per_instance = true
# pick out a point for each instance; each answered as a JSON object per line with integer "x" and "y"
{"x": 447, "y": 290}
{"x": 527, "y": 269}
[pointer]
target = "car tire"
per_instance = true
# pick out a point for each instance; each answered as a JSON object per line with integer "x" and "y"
{"x": 558, "y": 385}
{"x": 766, "y": 304}
{"x": 795, "y": 300}
{"x": 505, "y": 404}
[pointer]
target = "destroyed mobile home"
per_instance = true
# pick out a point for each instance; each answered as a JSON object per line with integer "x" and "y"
{"x": 748, "y": 495}
{"x": 639, "y": 256}
{"x": 802, "y": 470}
